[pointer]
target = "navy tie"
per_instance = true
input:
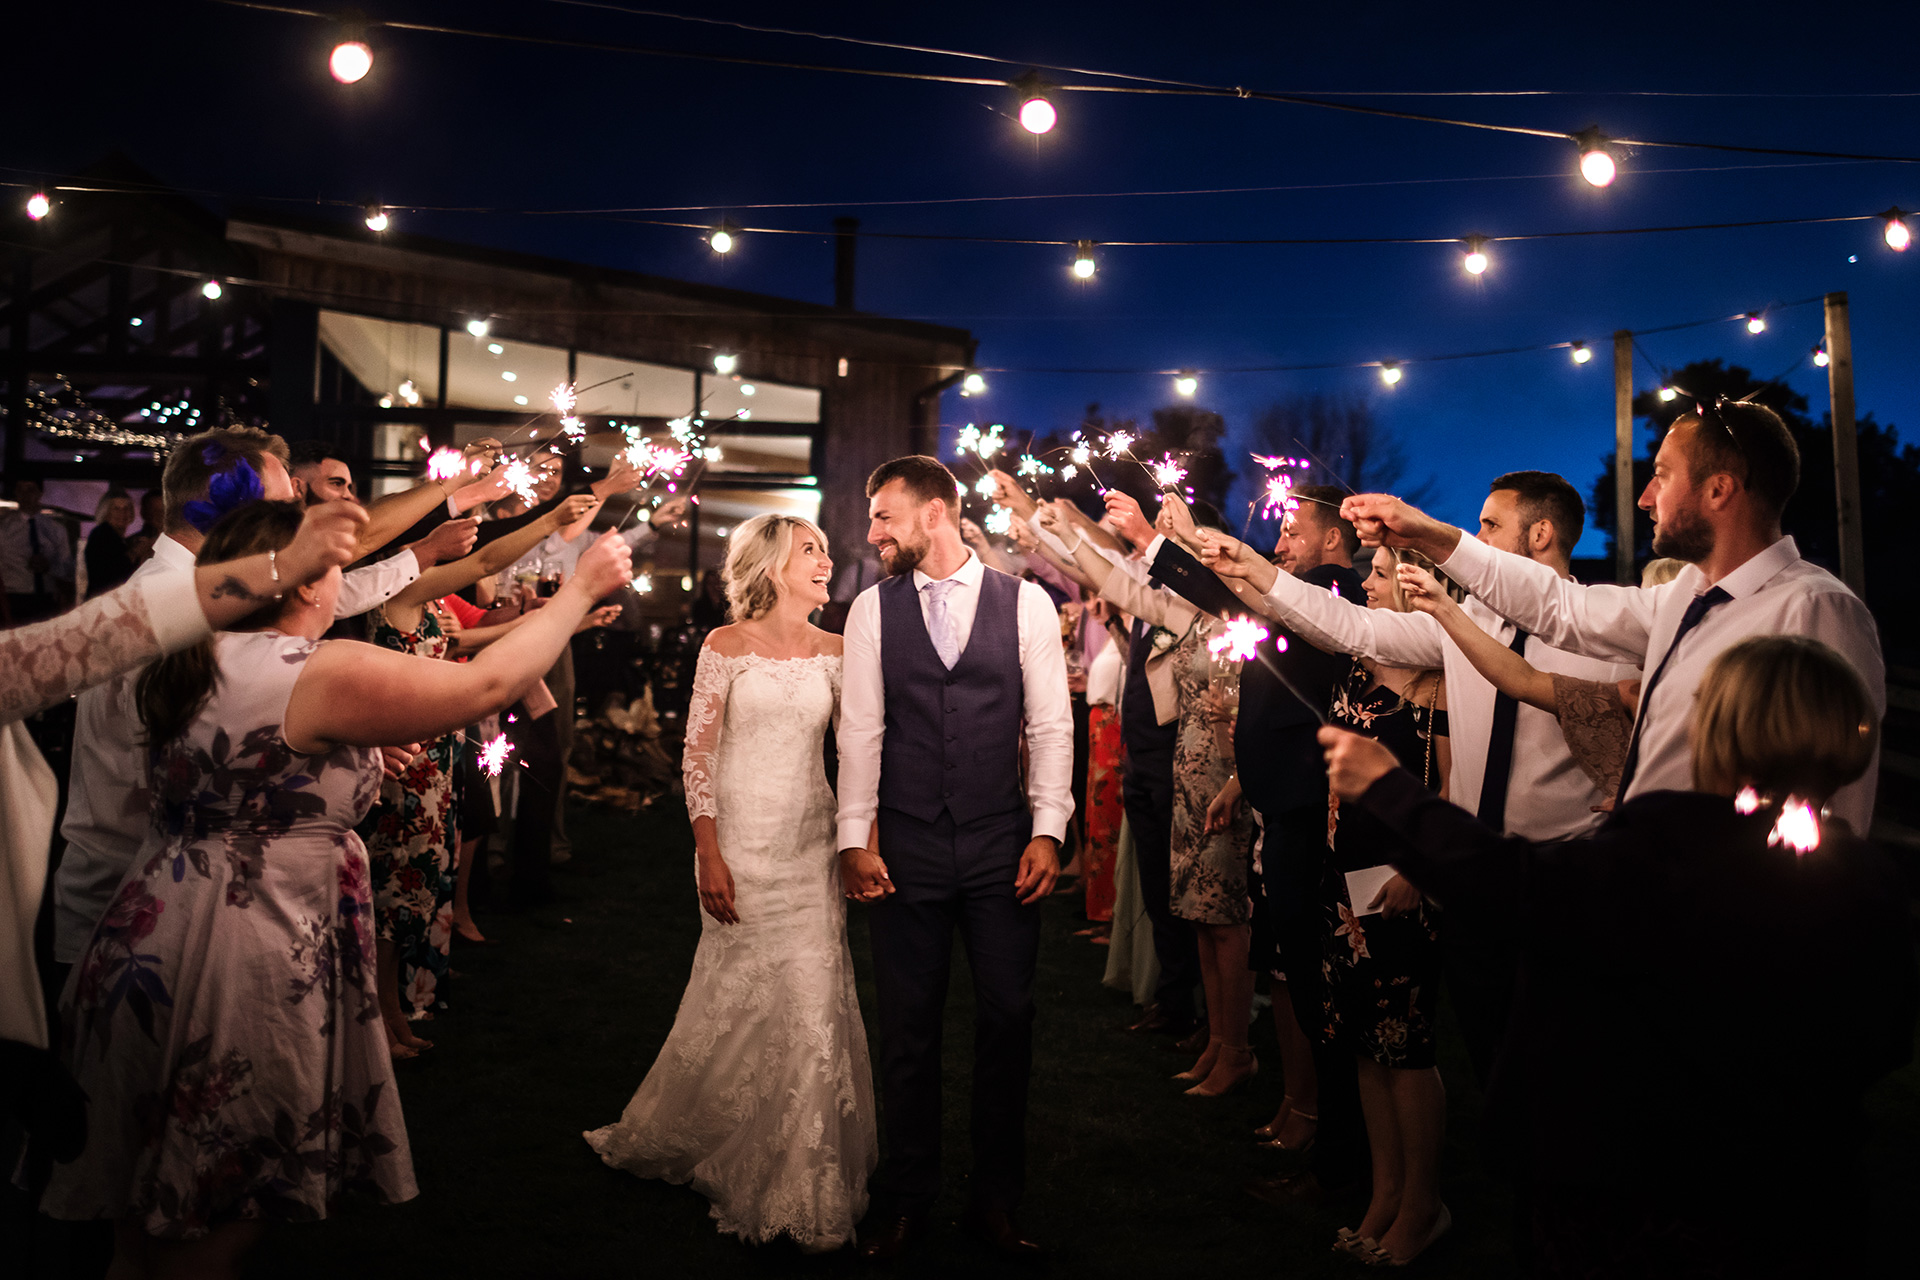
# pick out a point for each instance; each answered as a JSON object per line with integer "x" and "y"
{"x": 1493, "y": 787}
{"x": 1696, "y": 610}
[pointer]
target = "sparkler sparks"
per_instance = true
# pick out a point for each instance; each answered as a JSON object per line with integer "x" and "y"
{"x": 444, "y": 464}
{"x": 655, "y": 460}
{"x": 1069, "y": 471}
{"x": 981, "y": 444}
{"x": 521, "y": 480}
{"x": 643, "y": 583}
{"x": 999, "y": 521}
{"x": 1747, "y": 801}
{"x": 1032, "y": 466}
{"x": 1120, "y": 444}
{"x": 1279, "y": 497}
{"x": 493, "y": 754}
{"x": 1080, "y": 455}
{"x": 1167, "y": 473}
{"x": 1239, "y": 638}
{"x": 564, "y": 399}
{"x": 1798, "y": 828}
{"x": 985, "y": 486}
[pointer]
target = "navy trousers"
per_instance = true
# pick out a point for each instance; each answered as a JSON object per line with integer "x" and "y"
{"x": 1147, "y": 795}
{"x": 947, "y": 876}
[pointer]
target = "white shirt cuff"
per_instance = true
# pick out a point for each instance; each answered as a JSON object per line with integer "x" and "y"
{"x": 853, "y": 833}
{"x": 1048, "y": 822}
{"x": 173, "y": 610}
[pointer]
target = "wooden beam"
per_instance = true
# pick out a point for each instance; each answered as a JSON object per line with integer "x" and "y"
{"x": 1846, "y": 445}
{"x": 1623, "y": 495}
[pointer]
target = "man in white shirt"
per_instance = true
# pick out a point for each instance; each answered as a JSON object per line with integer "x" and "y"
{"x": 36, "y": 559}
{"x": 1721, "y": 480}
{"x": 948, "y": 666}
{"x": 106, "y": 818}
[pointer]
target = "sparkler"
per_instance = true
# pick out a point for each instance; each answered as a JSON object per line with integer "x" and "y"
{"x": 1167, "y": 473}
{"x": 985, "y": 486}
{"x": 1120, "y": 444}
{"x": 643, "y": 583}
{"x": 521, "y": 481}
{"x": 1797, "y": 827}
{"x": 1747, "y": 801}
{"x": 445, "y": 464}
{"x": 1240, "y": 640}
{"x": 1031, "y": 466}
{"x": 999, "y": 521}
{"x": 493, "y": 754}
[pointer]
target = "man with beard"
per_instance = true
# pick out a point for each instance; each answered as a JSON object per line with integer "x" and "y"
{"x": 1721, "y": 480}
{"x": 948, "y": 666}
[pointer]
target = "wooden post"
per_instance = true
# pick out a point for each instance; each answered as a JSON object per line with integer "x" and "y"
{"x": 1623, "y": 494}
{"x": 1846, "y": 445}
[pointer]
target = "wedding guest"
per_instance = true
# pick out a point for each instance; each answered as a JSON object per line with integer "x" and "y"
{"x": 1100, "y": 820}
{"x": 1661, "y": 570}
{"x": 109, "y": 561}
{"x": 153, "y": 512}
{"x": 1617, "y": 1100}
{"x": 268, "y": 1092}
{"x": 36, "y": 559}
{"x": 1721, "y": 480}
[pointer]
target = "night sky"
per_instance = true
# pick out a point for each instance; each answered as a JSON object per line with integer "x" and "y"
{"x": 239, "y": 103}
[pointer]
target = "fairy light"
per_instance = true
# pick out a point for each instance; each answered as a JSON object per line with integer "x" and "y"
{"x": 1390, "y": 372}
{"x": 1820, "y": 356}
{"x": 377, "y": 219}
{"x": 722, "y": 239}
{"x": 211, "y": 290}
{"x": 1167, "y": 473}
{"x": 1797, "y": 827}
{"x": 408, "y": 392}
{"x": 1185, "y": 384}
{"x": 38, "y": 206}
{"x": 350, "y": 61}
{"x": 1897, "y": 233}
{"x": 1582, "y": 353}
{"x": 478, "y": 328}
{"x": 1596, "y": 161}
{"x": 724, "y": 362}
{"x": 1476, "y": 260}
{"x": 1037, "y": 112}
{"x": 973, "y": 384}
{"x": 1239, "y": 639}
{"x": 1756, "y": 323}
{"x": 1083, "y": 263}
{"x": 493, "y": 754}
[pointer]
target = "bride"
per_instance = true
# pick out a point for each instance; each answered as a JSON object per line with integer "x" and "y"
{"x": 762, "y": 1096}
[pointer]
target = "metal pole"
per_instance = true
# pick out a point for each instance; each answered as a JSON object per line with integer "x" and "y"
{"x": 1623, "y": 458}
{"x": 1846, "y": 445}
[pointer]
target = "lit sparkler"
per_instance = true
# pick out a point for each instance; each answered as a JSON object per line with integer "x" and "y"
{"x": 1239, "y": 639}
{"x": 1080, "y": 455}
{"x": 1033, "y": 467}
{"x": 1120, "y": 444}
{"x": 1069, "y": 471}
{"x": 643, "y": 583}
{"x": 998, "y": 521}
{"x": 1747, "y": 801}
{"x": 445, "y": 464}
{"x": 1798, "y": 827}
{"x": 493, "y": 754}
{"x": 985, "y": 486}
{"x": 521, "y": 481}
{"x": 564, "y": 399}
{"x": 1167, "y": 473}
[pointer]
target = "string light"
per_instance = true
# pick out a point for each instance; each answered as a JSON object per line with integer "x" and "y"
{"x": 210, "y": 290}
{"x": 1037, "y": 112}
{"x": 377, "y": 219}
{"x": 1756, "y": 323}
{"x": 1476, "y": 260}
{"x": 1669, "y": 394}
{"x": 1582, "y": 353}
{"x": 1899, "y": 236}
{"x": 1390, "y": 372}
{"x": 478, "y": 328}
{"x": 1186, "y": 384}
{"x": 1596, "y": 162}
{"x": 722, "y": 239}
{"x": 724, "y": 362}
{"x": 1820, "y": 356}
{"x": 38, "y": 207}
{"x": 350, "y": 61}
{"x": 1083, "y": 264}
{"x": 973, "y": 384}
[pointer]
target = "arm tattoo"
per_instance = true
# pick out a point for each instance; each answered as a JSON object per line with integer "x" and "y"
{"x": 231, "y": 586}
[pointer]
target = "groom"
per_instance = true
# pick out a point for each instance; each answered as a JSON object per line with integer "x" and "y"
{"x": 948, "y": 664}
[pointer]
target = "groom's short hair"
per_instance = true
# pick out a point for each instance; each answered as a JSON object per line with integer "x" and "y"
{"x": 925, "y": 478}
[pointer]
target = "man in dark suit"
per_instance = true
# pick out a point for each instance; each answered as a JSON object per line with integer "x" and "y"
{"x": 1278, "y": 768}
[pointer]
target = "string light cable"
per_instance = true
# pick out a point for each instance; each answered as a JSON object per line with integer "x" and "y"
{"x": 1134, "y": 85}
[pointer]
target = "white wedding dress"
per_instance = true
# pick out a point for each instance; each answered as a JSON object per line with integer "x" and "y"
{"x": 762, "y": 1096}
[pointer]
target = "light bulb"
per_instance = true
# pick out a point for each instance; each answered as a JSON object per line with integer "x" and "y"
{"x": 1756, "y": 323}
{"x": 1083, "y": 264}
{"x": 1037, "y": 115}
{"x": 350, "y": 62}
{"x": 1390, "y": 373}
{"x": 1897, "y": 233}
{"x": 478, "y": 328}
{"x": 377, "y": 219}
{"x": 721, "y": 241}
{"x": 1582, "y": 353}
{"x": 38, "y": 207}
{"x": 1596, "y": 162}
{"x": 724, "y": 363}
{"x": 1820, "y": 357}
{"x": 508, "y": 375}
{"x": 1476, "y": 260}
{"x": 210, "y": 290}
{"x": 1186, "y": 384}
{"x": 1668, "y": 393}
{"x": 495, "y": 348}
{"x": 972, "y": 385}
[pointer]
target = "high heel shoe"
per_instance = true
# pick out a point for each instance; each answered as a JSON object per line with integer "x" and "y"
{"x": 1271, "y": 1129}
{"x": 1243, "y": 1053}
{"x": 1274, "y": 1143}
{"x": 1379, "y": 1257}
{"x": 1204, "y": 1067}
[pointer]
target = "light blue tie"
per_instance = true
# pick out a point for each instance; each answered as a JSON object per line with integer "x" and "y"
{"x": 940, "y": 628}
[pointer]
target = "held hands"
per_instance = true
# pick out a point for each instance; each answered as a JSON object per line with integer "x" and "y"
{"x": 604, "y": 567}
{"x": 1397, "y": 897}
{"x": 1354, "y": 763}
{"x": 1039, "y": 868}
{"x": 329, "y": 538}
{"x": 1383, "y": 520}
{"x": 1128, "y": 519}
{"x": 714, "y": 880}
{"x": 863, "y": 875}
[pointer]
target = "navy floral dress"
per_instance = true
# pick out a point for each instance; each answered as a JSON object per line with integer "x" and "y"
{"x": 410, "y": 839}
{"x": 1382, "y": 976}
{"x": 223, "y": 1020}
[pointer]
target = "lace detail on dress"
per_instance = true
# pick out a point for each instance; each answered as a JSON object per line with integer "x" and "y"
{"x": 42, "y": 663}
{"x": 762, "y": 1095}
{"x": 1596, "y": 725}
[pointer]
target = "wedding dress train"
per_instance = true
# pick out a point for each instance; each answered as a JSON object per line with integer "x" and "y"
{"x": 762, "y": 1096}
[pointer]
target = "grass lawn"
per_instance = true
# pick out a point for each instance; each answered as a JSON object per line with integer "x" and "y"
{"x": 551, "y": 1030}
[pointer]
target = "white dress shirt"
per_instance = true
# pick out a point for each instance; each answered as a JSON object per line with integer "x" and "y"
{"x": 107, "y": 798}
{"x": 1774, "y": 593}
{"x": 1549, "y": 797}
{"x": 1043, "y": 672}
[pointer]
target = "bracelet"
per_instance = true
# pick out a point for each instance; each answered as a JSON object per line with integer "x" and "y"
{"x": 273, "y": 570}
{"x": 1079, "y": 541}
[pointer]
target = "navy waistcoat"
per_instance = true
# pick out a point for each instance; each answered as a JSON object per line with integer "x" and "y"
{"x": 1149, "y": 743}
{"x": 953, "y": 737}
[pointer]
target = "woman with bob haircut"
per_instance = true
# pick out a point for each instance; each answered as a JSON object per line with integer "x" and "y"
{"x": 1708, "y": 984}
{"x": 762, "y": 1095}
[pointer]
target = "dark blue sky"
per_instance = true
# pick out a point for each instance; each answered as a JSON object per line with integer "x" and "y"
{"x": 212, "y": 97}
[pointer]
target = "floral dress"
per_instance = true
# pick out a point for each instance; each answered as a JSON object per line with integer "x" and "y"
{"x": 223, "y": 1020}
{"x": 410, "y": 840}
{"x": 1209, "y": 872}
{"x": 1382, "y": 976}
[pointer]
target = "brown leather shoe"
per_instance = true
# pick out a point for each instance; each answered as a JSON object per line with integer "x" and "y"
{"x": 893, "y": 1239}
{"x": 995, "y": 1229}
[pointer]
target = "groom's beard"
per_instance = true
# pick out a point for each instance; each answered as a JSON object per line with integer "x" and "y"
{"x": 904, "y": 559}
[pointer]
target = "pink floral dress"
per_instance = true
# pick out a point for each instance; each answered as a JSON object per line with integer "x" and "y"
{"x": 223, "y": 1021}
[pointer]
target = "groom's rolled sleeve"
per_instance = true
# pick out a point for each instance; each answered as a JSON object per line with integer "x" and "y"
{"x": 1043, "y": 672}
{"x": 863, "y": 721}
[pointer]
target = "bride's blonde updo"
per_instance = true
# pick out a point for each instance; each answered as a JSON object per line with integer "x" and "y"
{"x": 757, "y": 553}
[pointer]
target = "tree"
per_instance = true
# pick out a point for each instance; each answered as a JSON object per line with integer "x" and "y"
{"x": 1189, "y": 434}
{"x": 1343, "y": 442}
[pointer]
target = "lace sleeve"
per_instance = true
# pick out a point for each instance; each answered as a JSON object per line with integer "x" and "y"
{"x": 706, "y": 713}
{"x": 42, "y": 663}
{"x": 1596, "y": 725}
